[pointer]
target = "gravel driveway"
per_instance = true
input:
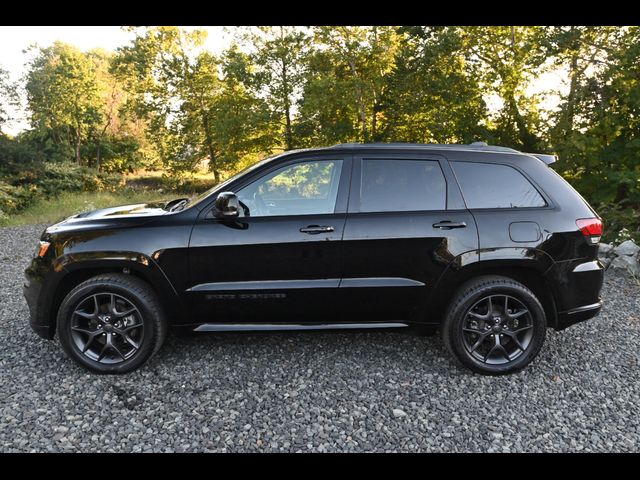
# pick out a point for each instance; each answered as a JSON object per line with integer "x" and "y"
{"x": 321, "y": 391}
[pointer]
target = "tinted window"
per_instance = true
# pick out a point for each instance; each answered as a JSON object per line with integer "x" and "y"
{"x": 304, "y": 188}
{"x": 486, "y": 185}
{"x": 402, "y": 185}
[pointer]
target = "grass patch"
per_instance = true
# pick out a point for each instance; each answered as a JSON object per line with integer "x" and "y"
{"x": 52, "y": 210}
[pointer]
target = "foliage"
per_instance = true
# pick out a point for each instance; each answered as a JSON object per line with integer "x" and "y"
{"x": 433, "y": 95}
{"x": 279, "y": 56}
{"x": 51, "y": 210}
{"x": 164, "y": 102}
{"x": 8, "y": 97}
{"x": 25, "y": 184}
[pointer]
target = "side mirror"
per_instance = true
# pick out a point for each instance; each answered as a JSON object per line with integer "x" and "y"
{"x": 227, "y": 205}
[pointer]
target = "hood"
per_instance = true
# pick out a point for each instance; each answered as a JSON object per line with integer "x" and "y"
{"x": 136, "y": 209}
{"x": 112, "y": 216}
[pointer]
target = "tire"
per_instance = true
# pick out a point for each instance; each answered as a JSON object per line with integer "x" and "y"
{"x": 480, "y": 306}
{"x": 112, "y": 308}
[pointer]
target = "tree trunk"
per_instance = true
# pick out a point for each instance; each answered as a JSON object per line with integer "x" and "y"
{"x": 374, "y": 122}
{"x": 569, "y": 115}
{"x": 528, "y": 139}
{"x": 98, "y": 148}
{"x": 209, "y": 141}
{"x": 77, "y": 146}
{"x": 361, "y": 105}
{"x": 288, "y": 134}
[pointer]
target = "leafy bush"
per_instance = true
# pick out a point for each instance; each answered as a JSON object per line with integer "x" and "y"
{"x": 16, "y": 152}
{"x": 24, "y": 184}
{"x": 13, "y": 199}
{"x": 617, "y": 218}
{"x": 53, "y": 178}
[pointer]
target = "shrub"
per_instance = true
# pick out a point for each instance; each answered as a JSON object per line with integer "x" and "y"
{"x": 13, "y": 199}
{"x": 53, "y": 178}
{"x": 619, "y": 217}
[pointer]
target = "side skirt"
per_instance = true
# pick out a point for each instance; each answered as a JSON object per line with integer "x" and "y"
{"x": 271, "y": 327}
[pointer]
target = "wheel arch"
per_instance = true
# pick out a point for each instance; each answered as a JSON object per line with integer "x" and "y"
{"x": 528, "y": 272}
{"x": 79, "y": 267}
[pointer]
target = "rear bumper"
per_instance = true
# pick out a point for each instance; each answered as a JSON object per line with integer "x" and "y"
{"x": 578, "y": 314}
{"x": 576, "y": 286}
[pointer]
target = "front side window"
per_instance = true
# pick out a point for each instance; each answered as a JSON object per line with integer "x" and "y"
{"x": 402, "y": 185}
{"x": 487, "y": 185}
{"x": 306, "y": 188}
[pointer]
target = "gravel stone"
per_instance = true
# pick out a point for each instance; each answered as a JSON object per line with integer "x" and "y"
{"x": 605, "y": 249}
{"x": 320, "y": 392}
{"x": 628, "y": 247}
{"x": 628, "y": 263}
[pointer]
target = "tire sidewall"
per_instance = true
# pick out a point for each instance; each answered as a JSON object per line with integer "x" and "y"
{"x": 70, "y": 303}
{"x": 538, "y": 321}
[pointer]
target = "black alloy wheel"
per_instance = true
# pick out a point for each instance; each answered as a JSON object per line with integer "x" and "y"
{"x": 111, "y": 323}
{"x": 107, "y": 327}
{"x": 498, "y": 329}
{"x": 494, "y": 325}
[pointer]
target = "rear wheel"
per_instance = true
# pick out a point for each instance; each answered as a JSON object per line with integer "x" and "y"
{"x": 494, "y": 325}
{"x": 111, "y": 323}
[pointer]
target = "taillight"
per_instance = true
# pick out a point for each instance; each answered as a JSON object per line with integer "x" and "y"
{"x": 591, "y": 228}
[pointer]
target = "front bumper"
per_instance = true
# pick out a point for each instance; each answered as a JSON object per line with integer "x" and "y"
{"x": 34, "y": 290}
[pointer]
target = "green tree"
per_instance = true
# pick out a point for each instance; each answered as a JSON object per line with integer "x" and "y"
{"x": 508, "y": 58}
{"x": 178, "y": 89}
{"x": 63, "y": 96}
{"x": 433, "y": 94}
{"x": 582, "y": 51}
{"x": 346, "y": 82}
{"x": 279, "y": 56}
{"x": 598, "y": 131}
{"x": 8, "y": 97}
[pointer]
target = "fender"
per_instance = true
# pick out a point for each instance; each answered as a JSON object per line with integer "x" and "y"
{"x": 489, "y": 260}
{"x": 139, "y": 264}
{"x": 494, "y": 258}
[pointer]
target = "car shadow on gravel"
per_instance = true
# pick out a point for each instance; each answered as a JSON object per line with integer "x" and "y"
{"x": 396, "y": 347}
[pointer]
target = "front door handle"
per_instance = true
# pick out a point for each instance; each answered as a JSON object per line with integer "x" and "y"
{"x": 315, "y": 229}
{"x": 448, "y": 225}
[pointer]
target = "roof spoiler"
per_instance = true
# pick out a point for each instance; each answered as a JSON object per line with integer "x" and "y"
{"x": 547, "y": 159}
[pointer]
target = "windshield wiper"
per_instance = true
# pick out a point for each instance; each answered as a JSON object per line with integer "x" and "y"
{"x": 177, "y": 205}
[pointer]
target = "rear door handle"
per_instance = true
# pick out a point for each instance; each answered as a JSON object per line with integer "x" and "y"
{"x": 315, "y": 229}
{"x": 448, "y": 225}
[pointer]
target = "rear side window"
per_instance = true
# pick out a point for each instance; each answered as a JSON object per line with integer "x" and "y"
{"x": 486, "y": 185}
{"x": 402, "y": 185}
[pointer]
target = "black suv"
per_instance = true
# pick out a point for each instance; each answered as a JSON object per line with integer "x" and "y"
{"x": 486, "y": 243}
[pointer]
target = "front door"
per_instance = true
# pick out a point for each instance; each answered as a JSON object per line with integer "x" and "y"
{"x": 406, "y": 223}
{"x": 280, "y": 261}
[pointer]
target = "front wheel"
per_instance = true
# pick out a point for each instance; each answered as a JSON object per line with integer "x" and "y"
{"x": 111, "y": 323}
{"x": 494, "y": 325}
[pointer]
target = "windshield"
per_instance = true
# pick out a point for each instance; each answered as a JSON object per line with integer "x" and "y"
{"x": 196, "y": 200}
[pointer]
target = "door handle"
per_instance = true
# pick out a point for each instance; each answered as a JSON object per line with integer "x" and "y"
{"x": 448, "y": 225}
{"x": 315, "y": 229}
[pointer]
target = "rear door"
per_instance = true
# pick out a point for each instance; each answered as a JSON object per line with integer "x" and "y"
{"x": 406, "y": 223}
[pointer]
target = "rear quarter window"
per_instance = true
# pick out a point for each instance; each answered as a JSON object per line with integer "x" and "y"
{"x": 488, "y": 185}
